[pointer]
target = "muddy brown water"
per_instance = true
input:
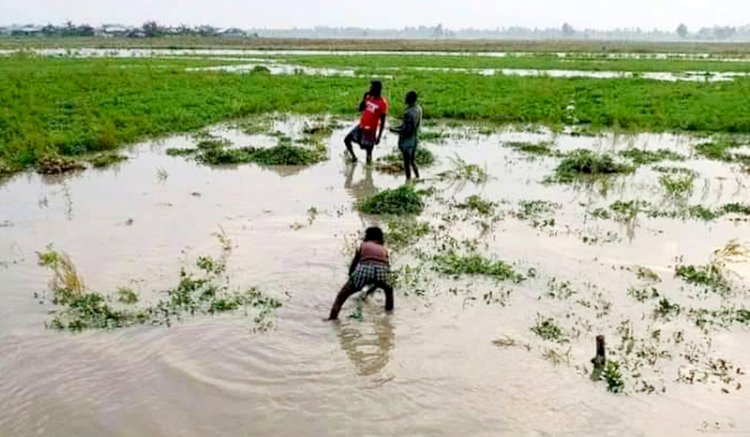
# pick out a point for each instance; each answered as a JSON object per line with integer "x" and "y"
{"x": 430, "y": 368}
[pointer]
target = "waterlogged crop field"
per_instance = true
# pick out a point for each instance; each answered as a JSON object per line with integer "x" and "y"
{"x": 175, "y": 225}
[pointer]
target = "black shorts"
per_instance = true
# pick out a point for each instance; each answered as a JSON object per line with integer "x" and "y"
{"x": 357, "y": 135}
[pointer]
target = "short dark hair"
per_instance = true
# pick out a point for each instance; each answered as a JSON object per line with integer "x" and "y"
{"x": 411, "y": 97}
{"x": 376, "y": 86}
{"x": 374, "y": 234}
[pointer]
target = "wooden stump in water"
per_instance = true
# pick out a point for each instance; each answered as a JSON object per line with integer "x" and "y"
{"x": 600, "y": 360}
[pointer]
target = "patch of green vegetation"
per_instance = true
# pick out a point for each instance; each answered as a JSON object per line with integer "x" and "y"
{"x": 539, "y": 213}
{"x": 127, "y": 296}
{"x": 647, "y": 274}
{"x": 641, "y": 156}
{"x": 106, "y": 159}
{"x": 643, "y": 294}
{"x": 463, "y": 171}
{"x": 624, "y": 211}
{"x": 405, "y": 200}
{"x": 736, "y": 208}
{"x": 562, "y": 290}
{"x": 217, "y": 151}
{"x": 79, "y": 309}
{"x": 475, "y": 203}
{"x": 255, "y": 125}
{"x": 75, "y": 106}
{"x": 541, "y": 149}
{"x": 549, "y": 330}
{"x": 451, "y": 263}
{"x": 394, "y": 161}
{"x": 432, "y": 135}
{"x": 719, "y": 149}
{"x": 52, "y": 165}
{"x": 676, "y": 170}
{"x": 677, "y": 185}
{"x": 613, "y": 377}
{"x": 585, "y": 163}
{"x": 402, "y": 232}
{"x": 666, "y": 309}
{"x": 709, "y": 276}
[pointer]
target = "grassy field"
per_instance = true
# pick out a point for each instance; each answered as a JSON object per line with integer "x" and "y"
{"x": 588, "y": 62}
{"x": 390, "y": 44}
{"x": 75, "y": 106}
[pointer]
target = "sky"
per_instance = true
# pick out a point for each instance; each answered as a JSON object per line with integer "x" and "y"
{"x": 453, "y": 14}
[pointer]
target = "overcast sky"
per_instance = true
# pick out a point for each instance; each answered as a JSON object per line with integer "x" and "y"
{"x": 601, "y": 14}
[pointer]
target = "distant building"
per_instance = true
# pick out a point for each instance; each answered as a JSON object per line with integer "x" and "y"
{"x": 4, "y": 31}
{"x": 28, "y": 30}
{"x": 232, "y": 32}
{"x": 113, "y": 30}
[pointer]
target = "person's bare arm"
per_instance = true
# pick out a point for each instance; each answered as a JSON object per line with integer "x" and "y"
{"x": 382, "y": 127}
{"x": 362, "y": 104}
{"x": 355, "y": 262}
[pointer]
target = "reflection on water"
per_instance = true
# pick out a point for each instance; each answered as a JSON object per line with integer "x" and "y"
{"x": 363, "y": 188}
{"x": 368, "y": 344}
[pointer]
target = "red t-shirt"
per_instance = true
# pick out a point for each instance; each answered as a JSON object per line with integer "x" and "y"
{"x": 375, "y": 107}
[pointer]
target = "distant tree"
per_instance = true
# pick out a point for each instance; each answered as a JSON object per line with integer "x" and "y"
{"x": 151, "y": 29}
{"x": 724, "y": 32}
{"x": 438, "y": 31}
{"x": 49, "y": 30}
{"x": 682, "y": 30}
{"x": 84, "y": 30}
{"x": 568, "y": 30}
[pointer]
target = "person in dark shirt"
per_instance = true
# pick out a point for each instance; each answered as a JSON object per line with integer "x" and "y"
{"x": 374, "y": 108}
{"x": 408, "y": 134}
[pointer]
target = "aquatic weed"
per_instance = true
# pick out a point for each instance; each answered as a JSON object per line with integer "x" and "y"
{"x": 463, "y": 171}
{"x": 476, "y": 204}
{"x": 642, "y": 156}
{"x": 402, "y": 232}
{"x": 451, "y": 263}
{"x": 677, "y": 185}
{"x": 107, "y": 159}
{"x": 52, "y": 165}
{"x": 585, "y": 163}
{"x": 394, "y": 161}
{"x": 404, "y": 200}
{"x": 613, "y": 377}
{"x": 709, "y": 275}
{"x": 547, "y": 329}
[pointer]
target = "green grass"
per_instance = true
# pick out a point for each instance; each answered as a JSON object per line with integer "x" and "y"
{"x": 402, "y": 232}
{"x": 641, "y": 156}
{"x": 463, "y": 171}
{"x": 541, "y": 149}
{"x": 106, "y": 159}
{"x": 451, "y": 263}
{"x": 215, "y": 151}
{"x": 405, "y": 200}
{"x": 585, "y": 163}
{"x": 76, "y": 106}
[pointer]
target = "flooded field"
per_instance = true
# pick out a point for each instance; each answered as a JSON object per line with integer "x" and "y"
{"x": 504, "y": 281}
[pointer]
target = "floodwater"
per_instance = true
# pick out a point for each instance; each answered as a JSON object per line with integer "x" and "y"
{"x": 276, "y": 68}
{"x": 140, "y": 52}
{"x": 430, "y": 368}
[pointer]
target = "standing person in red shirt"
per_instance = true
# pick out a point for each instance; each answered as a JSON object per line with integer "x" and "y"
{"x": 368, "y": 132}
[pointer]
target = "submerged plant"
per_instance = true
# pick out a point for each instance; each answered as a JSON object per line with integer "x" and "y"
{"x": 539, "y": 213}
{"x": 394, "y": 162}
{"x": 463, "y": 171}
{"x": 541, "y": 149}
{"x": 547, "y": 329}
{"x": 451, "y": 263}
{"x": 79, "y": 309}
{"x": 405, "y": 200}
{"x": 107, "y": 159}
{"x": 613, "y": 377}
{"x": 709, "y": 275}
{"x": 402, "y": 232}
{"x": 585, "y": 163}
{"x": 641, "y": 156}
{"x": 51, "y": 165}
{"x": 476, "y": 204}
{"x": 677, "y": 185}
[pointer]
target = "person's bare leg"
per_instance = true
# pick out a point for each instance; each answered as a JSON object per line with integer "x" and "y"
{"x": 388, "y": 295}
{"x": 346, "y": 291}
{"x": 407, "y": 165}
{"x": 413, "y": 162}
{"x": 369, "y": 155}
{"x": 348, "y": 143}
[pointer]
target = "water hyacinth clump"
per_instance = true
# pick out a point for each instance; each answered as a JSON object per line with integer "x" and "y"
{"x": 405, "y": 200}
